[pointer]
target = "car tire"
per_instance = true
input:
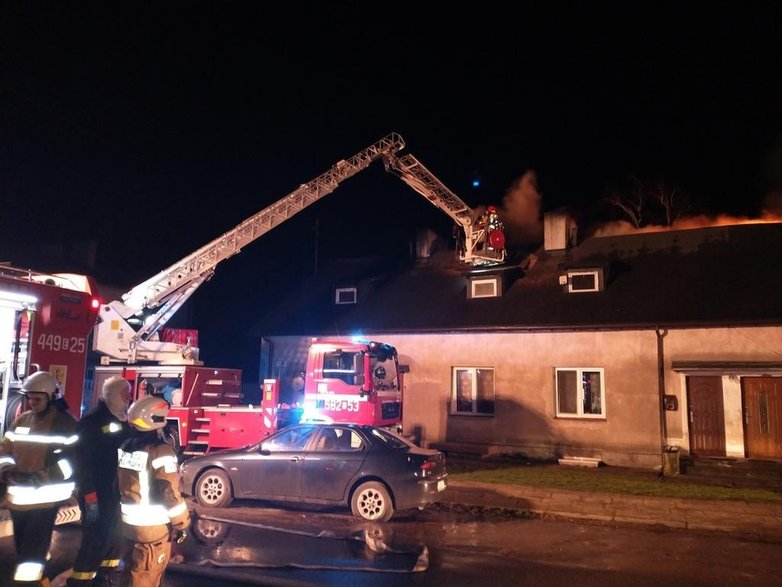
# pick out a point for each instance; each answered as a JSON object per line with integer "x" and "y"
{"x": 371, "y": 501}
{"x": 213, "y": 489}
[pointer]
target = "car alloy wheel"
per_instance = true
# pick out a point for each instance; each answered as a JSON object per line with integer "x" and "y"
{"x": 213, "y": 489}
{"x": 372, "y": 502}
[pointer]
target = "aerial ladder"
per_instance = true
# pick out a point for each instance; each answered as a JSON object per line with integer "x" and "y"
{"x": 480, "y": 241}
{"x": 127, "y": 329}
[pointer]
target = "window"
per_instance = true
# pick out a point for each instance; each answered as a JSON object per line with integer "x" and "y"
{"x": 484, "y": 287}
{"x": 291, "y": 439}
{"x": 339, "y": 365}
{"x": 472, "y": 390}
{"x": 580, "y": 393}
{"x": 584, "y": 280}
{"x": 346, "y": 295}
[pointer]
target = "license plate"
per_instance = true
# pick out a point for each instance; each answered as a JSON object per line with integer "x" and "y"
{"x": 441, "y": 485}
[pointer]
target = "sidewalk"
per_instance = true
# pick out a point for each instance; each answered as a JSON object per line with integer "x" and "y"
{"x": 757, "y": 520}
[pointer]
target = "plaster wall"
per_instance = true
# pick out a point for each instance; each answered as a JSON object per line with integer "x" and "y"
{"x": 525, "y": 416}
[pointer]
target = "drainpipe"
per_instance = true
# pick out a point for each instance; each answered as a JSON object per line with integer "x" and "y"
{"x": 661, "y": 334}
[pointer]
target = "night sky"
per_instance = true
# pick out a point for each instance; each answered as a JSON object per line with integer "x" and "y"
{"x": 152, "y": 128}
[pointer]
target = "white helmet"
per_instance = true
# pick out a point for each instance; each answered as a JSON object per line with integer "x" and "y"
{"x": 148, "y": 413}
{"x": 112, "y": 394}
{"x": 41, "y": 382}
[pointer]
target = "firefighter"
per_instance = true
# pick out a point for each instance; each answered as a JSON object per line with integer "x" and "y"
{"x": 36, "y": 463}
{"x": 153, "y": 511}
{"x": 102, "y": 431}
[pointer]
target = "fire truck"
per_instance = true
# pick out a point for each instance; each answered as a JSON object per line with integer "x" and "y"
{"x": 45, "y": 324}
{"x": 342, "y": 381}
{"x": 355, "y": 381}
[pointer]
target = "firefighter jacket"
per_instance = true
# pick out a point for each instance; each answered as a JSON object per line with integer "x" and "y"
{"x": 40, "y": 447}
{"x": 100, "y": 435}
{"x": 150, "y": 502}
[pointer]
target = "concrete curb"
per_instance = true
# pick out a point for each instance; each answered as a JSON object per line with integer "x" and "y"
{"x": 759, "y": 520}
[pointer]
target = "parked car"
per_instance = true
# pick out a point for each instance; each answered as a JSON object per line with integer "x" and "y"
{"x": 370, "y": 470}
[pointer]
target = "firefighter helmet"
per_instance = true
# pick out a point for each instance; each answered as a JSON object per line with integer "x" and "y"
{"x": 40, "y": 382}
{"x": 148, "y": 413}
{"x": 115, "y": 394}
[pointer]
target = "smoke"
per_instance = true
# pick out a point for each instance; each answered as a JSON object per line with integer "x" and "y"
{"x": 520, "y": 211}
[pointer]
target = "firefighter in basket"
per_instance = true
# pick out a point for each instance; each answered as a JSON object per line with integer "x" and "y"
{"x": 153, "y": 511}
{"x": 37, "y": 466}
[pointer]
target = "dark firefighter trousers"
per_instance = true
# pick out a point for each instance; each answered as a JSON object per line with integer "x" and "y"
{"x": 145, "y": 563}
{"x": 101, "y": 541}
{"x": 33, "y": 533}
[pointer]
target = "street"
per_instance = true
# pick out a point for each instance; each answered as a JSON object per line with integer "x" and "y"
{"x": 253, "y": 545}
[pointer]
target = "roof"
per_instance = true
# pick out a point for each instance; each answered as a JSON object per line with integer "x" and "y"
{"x": 707, "y": 277}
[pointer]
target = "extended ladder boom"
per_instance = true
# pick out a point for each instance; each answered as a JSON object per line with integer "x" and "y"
{"x": 482, "y": 240}
{"x": 165, "y": 292}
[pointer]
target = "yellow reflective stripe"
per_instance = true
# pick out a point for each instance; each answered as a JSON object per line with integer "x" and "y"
{"x": 22, "y": 435}
{"x": 28, "y": 571}
{"x": 27, "y": 495}
{"x": 109, "y": 563}
{"x": 163, "y": 461}
{"x": 84, "y": 575}
{"x": 177, "y": 509}
{"x": 136, "y": 514}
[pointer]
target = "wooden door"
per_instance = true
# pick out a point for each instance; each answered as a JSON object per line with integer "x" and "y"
{"x": 706, "y": 416}
{"x": 762, "y": 397}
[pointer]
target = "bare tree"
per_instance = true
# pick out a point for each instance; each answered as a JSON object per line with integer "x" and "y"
{"x": 630, "y": 201}
{"x": 670, "y": 200}
{"x": 642, "y": 204}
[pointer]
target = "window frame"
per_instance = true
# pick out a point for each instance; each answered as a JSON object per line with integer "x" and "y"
{"x": 477, "y": 399}
{"x": 580, "y": 393}
{"x": 345, "y": 295}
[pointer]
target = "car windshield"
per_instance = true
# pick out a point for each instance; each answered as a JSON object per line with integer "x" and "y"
{"x": 391, "y": 439}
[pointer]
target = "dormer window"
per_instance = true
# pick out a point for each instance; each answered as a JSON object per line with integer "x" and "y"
{"x": 345, "y": 295}
{"x": 486, "y": 286}
{"x": 582, "y": 280}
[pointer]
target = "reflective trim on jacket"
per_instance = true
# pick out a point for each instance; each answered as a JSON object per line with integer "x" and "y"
{"x": 149, "y": 484}
{"x": 41, "y": 446}
{"x": 45, "y": 494}
{"x": 22, "y": 434}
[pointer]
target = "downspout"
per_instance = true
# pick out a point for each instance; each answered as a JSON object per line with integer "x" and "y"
{"x": 661, "y": 334}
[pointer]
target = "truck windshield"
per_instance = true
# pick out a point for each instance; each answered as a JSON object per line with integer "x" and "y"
{"x": 384, "y": 372}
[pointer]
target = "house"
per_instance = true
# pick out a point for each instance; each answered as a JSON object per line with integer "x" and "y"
{"x": 612, "y": 348}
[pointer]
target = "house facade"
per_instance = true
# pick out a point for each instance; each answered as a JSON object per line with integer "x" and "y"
{"x": 613, "y": 349}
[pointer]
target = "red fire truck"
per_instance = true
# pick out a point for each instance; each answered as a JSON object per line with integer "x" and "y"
{"x": 45, "y": 324}
{"x": 353, "y": 381}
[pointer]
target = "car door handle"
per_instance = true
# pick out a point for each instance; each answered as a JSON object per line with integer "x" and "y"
{"x": 294, "y": 458}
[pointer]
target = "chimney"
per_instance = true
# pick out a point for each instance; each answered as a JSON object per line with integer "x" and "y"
{"x": 559, "y": 231}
